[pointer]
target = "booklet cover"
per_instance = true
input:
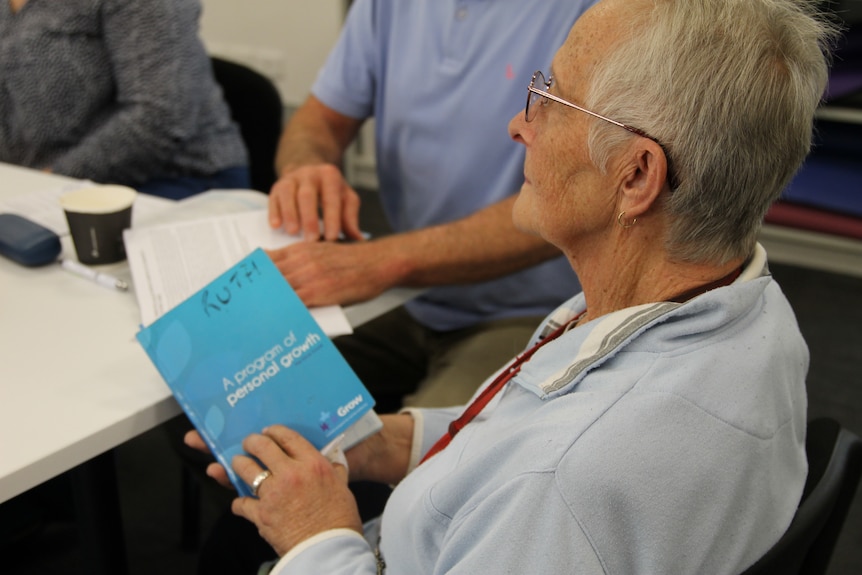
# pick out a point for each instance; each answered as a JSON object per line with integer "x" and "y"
{"x": 244, "y": 353}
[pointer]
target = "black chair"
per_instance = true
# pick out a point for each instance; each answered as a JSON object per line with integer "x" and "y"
{"x": 834, "y": 470}
{"x": 256, "y": 106}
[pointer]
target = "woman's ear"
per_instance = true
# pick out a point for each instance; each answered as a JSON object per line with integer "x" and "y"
{"x": 645, "y": 177}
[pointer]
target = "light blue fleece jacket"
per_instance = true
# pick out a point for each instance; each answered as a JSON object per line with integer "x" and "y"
{"x": 666, "y": 438}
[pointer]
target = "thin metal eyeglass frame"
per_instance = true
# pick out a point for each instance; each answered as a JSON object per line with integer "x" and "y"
{"x": 531, "y": 89}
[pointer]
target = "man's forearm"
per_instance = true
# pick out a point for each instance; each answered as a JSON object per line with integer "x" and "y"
{"x": 481, "y": 247}
{"x": 315, "y": 134}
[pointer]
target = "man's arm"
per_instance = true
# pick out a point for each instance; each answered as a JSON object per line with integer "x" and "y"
{"x": 310, "y": 180}
{"x": 480, "y": 247}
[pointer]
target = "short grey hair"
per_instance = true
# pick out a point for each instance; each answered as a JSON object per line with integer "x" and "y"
{"x": 729, "y": 88}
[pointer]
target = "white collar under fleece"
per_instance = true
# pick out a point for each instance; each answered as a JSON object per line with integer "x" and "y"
{"x": 615, "y": 329}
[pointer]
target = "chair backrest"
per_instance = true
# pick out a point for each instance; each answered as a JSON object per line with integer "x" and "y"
{"x": 256, "y": 106}
{"x": 834, "y": 470}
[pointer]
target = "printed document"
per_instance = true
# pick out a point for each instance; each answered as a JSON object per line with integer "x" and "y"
{"x": 170, "y": 262}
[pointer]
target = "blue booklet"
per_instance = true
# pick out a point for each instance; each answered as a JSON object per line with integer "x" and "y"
{"x": 244, "y": 353}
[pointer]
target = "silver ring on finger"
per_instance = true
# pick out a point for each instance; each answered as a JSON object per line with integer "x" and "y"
{"x": 258, "y": 480}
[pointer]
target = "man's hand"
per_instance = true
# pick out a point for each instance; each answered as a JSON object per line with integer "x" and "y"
{"x": 310, "y": 184}
{"x": 330, "y": 273}
{"x": 301, "y": 197}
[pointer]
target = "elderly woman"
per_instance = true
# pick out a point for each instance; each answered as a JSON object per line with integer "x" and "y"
{"x": 656, "y": 424}
{"x": 116, "y": 92}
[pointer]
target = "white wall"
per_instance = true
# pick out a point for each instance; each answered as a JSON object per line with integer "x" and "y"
{"x": 287, "y": 40}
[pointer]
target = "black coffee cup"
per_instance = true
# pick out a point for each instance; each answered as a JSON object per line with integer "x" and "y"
{"x": 97, "y": 216}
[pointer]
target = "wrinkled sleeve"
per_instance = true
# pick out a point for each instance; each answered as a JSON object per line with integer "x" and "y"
{"x": 347, "y": 82}
{"x": 429, "y": 426}
{"x": 335, "y": 552}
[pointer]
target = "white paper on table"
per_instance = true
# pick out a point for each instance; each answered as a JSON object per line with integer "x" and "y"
{"x": 44, "y": 208}
{"x": 170, "y": 262}
{"x": 208, "y": 204}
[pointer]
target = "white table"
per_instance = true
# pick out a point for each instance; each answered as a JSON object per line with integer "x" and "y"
{"x": 75, "y": 383}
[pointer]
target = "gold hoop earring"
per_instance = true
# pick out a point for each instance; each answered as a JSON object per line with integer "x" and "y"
{"x": 620, "y": 221}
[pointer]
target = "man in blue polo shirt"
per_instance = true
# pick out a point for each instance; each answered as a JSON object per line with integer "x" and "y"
{"x": 441, "y": 78}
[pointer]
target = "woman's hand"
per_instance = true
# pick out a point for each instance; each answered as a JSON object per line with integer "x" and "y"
{"x": 384, "y": 456}
{"x": 194, "y": 440}
{"x": 305, "y": 494}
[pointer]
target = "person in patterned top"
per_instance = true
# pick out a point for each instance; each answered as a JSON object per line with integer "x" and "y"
{"x": 115, "y": 92}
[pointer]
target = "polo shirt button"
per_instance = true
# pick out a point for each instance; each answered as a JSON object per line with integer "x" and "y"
{"x": 461, "y": 14}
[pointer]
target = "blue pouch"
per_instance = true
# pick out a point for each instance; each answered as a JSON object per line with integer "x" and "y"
{"x": 27, "y": 242}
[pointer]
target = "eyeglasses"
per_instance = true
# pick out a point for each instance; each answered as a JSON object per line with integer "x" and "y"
{"x": 538, "y": 96}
